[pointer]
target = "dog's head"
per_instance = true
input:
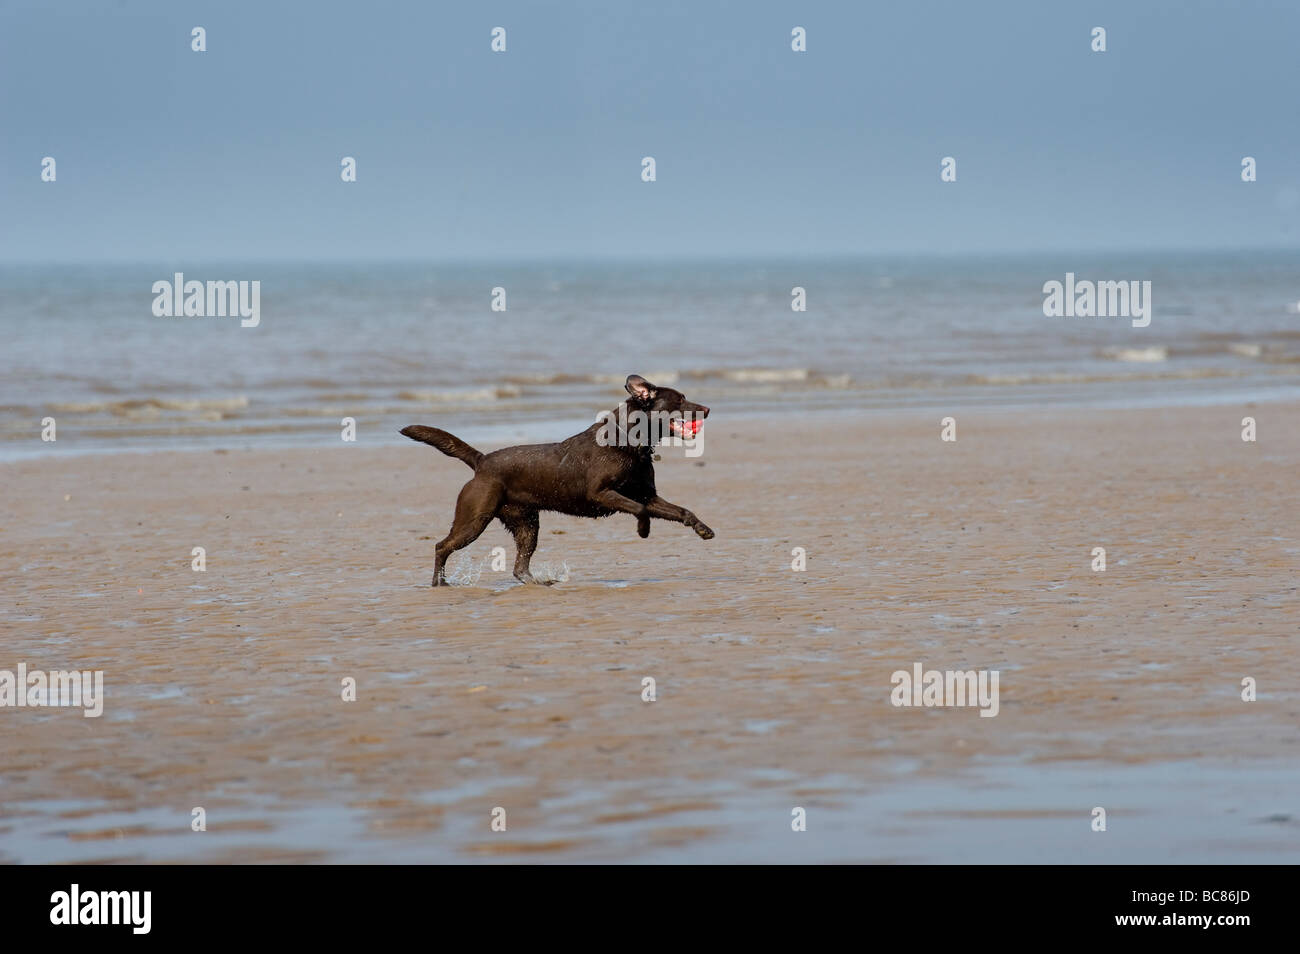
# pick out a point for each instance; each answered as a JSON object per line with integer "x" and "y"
{"x": 683, "y": 418}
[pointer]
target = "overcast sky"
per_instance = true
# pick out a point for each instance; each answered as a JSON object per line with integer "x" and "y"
{"x": 466, "y": 154}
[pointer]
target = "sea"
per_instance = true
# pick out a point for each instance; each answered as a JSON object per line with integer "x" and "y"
{"x": 523, "y": 351}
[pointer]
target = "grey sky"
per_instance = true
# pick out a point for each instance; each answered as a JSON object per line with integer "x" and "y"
{"x": 169, "y": 155}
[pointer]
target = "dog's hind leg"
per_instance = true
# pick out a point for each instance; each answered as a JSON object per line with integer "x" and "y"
{"x": 523, "y": 525}
{"x": 475, "y": 508}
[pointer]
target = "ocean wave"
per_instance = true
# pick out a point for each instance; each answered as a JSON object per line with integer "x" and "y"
{"x": 461, "y": 395}
{"x": 550, "y": 378}
{"x": 751, "y": 375}
{"x": 666, "y": 376}
{"x": 809, "y": 377}
{"x": 1144, "y": 355}
{"x": 746, "y": 375}
{"x": 206, "y": 409}
{"x": 1069, "y": 377}
{"x": 343, "y": 396}
{"x": 1259, "y": 334}
{"x": 543, "y": 378}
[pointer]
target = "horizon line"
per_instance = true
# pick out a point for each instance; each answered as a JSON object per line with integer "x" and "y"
{"x": 720, "y": 258}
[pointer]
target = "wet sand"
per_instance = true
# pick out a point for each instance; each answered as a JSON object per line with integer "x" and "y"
{"x": 1119, "y": 689}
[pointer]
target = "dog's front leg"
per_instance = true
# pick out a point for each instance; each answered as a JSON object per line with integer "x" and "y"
{"x": 613, "y": 500}
{"x": 658, "y": 507}
{"x": 654, "y": 507}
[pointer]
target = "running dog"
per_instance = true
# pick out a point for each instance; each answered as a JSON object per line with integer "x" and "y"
{"x": 587, "y": 475}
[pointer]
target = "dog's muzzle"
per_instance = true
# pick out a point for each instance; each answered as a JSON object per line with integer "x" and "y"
{"x": 683, "y": 427}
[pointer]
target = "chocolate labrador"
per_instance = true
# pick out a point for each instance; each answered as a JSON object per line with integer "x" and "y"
{"x": 606, "y": 469}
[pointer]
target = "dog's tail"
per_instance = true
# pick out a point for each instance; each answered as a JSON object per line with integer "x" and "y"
{"x": 450, "y": 445}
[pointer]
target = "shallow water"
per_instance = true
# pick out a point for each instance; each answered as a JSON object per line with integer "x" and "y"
{"x": 392, "y": 344}
{"x": 994, "y": 812}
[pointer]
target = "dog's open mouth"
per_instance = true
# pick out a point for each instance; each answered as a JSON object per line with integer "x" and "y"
{"x": 681, "y": 427}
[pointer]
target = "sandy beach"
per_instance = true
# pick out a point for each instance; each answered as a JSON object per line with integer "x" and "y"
{"x": 1119, "y": 689}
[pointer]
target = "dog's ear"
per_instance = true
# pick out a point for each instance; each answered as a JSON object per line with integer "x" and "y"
{"x": 640, "y": 388}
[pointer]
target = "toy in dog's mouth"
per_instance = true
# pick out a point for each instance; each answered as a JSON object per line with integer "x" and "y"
{"x": 682, "y": 427}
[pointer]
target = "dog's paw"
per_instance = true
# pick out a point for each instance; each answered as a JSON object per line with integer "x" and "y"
{"x": 704, "y": 532}
{"x": 643, "y": 528}
{"x": 529, "y": 580}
